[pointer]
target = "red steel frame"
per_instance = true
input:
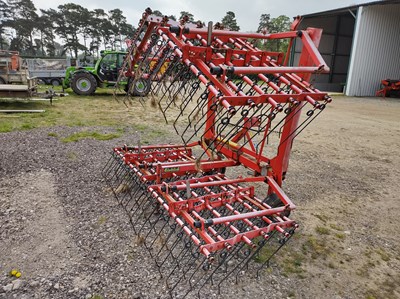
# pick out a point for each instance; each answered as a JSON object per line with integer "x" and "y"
{"x": 213, "y": 64}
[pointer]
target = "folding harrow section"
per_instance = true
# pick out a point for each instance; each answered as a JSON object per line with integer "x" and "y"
{"x": 201, "y": 227}
{"x": 237, "y": 109}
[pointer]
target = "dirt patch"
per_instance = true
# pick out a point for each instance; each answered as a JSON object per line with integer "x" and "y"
{"x": 34, "y": 231}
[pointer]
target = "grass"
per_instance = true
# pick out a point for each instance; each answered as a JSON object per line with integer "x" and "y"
{"x": 322, "y": 230}
{"x": 72, "y": 156}
{"x": 5, "y": 127}
{"x": 52, "y": 134}
{"x": 292, "y": 264}
{"x": 383, "y": 254}
{"x": 323, "y": 218}
{"x": 72, "y": 110}
{"x": 340, "y": 236}
{"x": 102, "y": 220}
{"x": 316, "y": 247}
{"x": 86, "y": 134}
{"x": 336, "y": 227}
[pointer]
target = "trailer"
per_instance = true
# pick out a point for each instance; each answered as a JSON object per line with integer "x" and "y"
{"x": 52, "y": 71}
{"x": 15, "y": 82}
{"x": 12, "y": 70}
{"x": 48, "y": 71}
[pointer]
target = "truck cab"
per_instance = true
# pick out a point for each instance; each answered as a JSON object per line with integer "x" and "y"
{"x": 109, "y": 66}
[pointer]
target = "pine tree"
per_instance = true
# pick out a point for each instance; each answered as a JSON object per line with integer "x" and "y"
{"x": 229, "y": 21}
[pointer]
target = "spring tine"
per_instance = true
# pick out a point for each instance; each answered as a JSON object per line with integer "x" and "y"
{"x": 190, "y": 264}
{"x": 158, "y": 236}
{"x": 204, "y": 265}
{"x": 171, "y": 233}
{"x": 170, "y": 250}
{"x": 201, "y": 104}
{"x": 181, "y": 256}
{"x": 226, "y": 257}
{"x": 267, "y": 261}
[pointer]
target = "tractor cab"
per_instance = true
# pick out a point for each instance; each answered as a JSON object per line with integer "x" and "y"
{"x": 109, "y": 65}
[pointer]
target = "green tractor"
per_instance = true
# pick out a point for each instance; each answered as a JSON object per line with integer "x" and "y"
{"x": 85, "y": 80}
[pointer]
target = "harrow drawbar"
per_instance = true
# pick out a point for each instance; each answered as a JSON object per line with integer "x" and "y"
{"x": 213, "y": 208}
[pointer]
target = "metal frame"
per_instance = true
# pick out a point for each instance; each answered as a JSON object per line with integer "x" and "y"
{"x": 245, "y": 116}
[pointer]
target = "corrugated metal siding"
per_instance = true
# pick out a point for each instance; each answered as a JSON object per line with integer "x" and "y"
{"x": 377, "y": 50}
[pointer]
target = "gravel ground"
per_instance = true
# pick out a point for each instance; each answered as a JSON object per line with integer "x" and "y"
{"x": 65, "y": 232}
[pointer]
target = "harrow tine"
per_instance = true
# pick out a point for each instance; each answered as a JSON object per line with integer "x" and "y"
{"x": 201, "y": 104}
{"x": 158, "y": 235}
{"x": 280, "y": 244}
{"x": 225, "y": 258}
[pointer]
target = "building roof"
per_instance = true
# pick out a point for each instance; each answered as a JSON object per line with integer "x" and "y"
{"x": 350, "y": 8}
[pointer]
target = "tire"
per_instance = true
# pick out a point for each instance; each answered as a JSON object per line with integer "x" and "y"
{"x": 55, "y": 82}
{"x": 83, "y": 83}
{"x": 41, "y": 81}
{"x": 141, "y": 87}
{"x": 2, "y": 81}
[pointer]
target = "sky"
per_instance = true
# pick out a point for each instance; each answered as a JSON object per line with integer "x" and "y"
{"x": 247, "y": 12}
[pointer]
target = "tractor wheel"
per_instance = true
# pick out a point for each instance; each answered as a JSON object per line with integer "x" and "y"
{"x": 141, "y": 87}
{"x": 83, "y": 84}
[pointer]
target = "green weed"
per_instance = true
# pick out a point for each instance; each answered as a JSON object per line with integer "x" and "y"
{"x": 72, "y": 156}
{"x": 383, "y": 254}
{"x": 86, "y": 134}
{"x": 292, "y": 264}
{"x": 102, "y": 220}
{"x": 322, "y": 230}
{"x": 323, "y": 218}
{"x": 317, "y": 247}
{"x": 52, "y": 134}
{"x": 336, "y": 227}
{"x": 340, "y": 236}
{"x": 5, "y": 127}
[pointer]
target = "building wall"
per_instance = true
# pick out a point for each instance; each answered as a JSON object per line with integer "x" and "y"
{"x": 376, "y": 49}
{"x": 335, "y": 48}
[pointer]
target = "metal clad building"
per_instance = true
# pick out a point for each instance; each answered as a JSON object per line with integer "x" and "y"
{"x": 361, "y": 45}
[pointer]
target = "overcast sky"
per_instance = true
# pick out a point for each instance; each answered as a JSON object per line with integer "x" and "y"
{"x": 247, "y": 12}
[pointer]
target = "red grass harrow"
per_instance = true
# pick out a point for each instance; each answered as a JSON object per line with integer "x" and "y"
{"x": 212, "y": 208}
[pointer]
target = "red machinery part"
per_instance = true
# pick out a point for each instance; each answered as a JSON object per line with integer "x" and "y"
{"x": 390, "y": 87}
{"x": 237, "y": 109}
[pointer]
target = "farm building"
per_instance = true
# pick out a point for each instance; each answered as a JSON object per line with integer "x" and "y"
{"x": 361, "y": 45}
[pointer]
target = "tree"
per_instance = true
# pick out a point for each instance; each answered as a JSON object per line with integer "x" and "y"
{"x": 23, "y": 21}
{"x": 80, "y": 30}
{"x": 70, "y": 21}
{"x": 157, "y": 13}
{"x": 188, "y": 14}
{"x": 229, "y": 21}
{"x": 120, "y": 28}
{"x": 263, "y": 26}
{"x": 5, "y": 14}
{"x": 46, "y": 31}
{"x": 279, "y": 24}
